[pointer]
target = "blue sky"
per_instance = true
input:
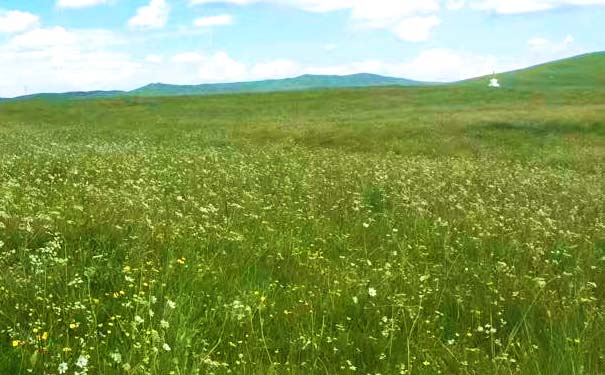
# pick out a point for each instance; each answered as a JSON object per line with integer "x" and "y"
{"x": 65, "y": 45}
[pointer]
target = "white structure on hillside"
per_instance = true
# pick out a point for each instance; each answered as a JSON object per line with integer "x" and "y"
{"x": 493, "y": 82}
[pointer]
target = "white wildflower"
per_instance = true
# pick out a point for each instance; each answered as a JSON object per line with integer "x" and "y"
{"x": 82, "y": 362}
{"x": 63, "y": 368}
{"x": 117, "y": 357}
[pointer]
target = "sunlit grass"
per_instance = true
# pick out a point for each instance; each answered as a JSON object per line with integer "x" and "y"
{"x": 384, "y": 231}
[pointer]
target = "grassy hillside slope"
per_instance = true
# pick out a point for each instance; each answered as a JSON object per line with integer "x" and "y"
{"x": 580, "y": 72}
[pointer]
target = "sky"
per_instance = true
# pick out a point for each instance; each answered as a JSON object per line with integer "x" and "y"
{"x": 82, "y": 45}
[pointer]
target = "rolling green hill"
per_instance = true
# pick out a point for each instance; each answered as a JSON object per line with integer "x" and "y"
{"x": 305, "y": 82}
{"x": 579, "y": 72}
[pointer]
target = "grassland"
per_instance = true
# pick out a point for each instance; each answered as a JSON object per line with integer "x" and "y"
{"x": 437, "y": 230}
{"x": 579, "y": 72}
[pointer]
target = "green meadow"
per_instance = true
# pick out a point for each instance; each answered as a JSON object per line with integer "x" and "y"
{"x": 422, "y": 230}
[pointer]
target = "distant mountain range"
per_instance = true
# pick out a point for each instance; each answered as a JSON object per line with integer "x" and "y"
{"x": 305, "y": 82}
{"x": 70, "y": 95}
{"x": 585, "y": 71}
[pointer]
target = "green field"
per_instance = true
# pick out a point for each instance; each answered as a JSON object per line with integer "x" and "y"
{"x": 427, "y": 230}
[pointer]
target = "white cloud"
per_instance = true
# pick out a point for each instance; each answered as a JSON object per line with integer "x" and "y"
{"x": 545, "y": 49}
{"x": 237, "y": 2}
{"x": 280, "y": 68}
{"x": 385, "y": 14}
{"x": 543, "y": 44}
{"x": 152, "y": 16}
{"x": 308, "y": 5}
{"x": 57, "y": 59}
{"x": 219, "y": 67}
{"x": 514, "y": 6}
{"x": 416, "y": 29}
{"x": 154, "y": 58}
{"x": 444, "y": 65}
{"x": 194, "y": 67}
{"x": 528, "y": 6}
{"x": 42, "y": 38}
{"x": 78, "y": 60}
{"x": 329, "y": 47}
{"x": 187, "y": 58}
{"x": 53, "y": 37}
{"x": 381, "y": 9}
{"x": 13, "y": 21}
{"x": 79, "y": 3}
{"x": 220, "y": 20}
{"x": 436, "y": 65}
{"x": 455, "y": 4}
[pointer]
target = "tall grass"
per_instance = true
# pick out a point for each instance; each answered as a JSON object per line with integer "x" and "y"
{"x": 383, "y": 231}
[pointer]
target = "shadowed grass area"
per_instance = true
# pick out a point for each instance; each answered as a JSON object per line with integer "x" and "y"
{"x": 453, "y": 230}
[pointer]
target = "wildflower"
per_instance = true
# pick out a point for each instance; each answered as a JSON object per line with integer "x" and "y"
{"x": 541, "y": 282}
{"x": 138, "y": 320}
{"x": 16, "y": 343}
{"x": 45, "y": 336}
{"x": 62, "y": 368}
{"x": 355, "y": 300}
{"x": 166, "y": 347}
{"x": 352, "y": 367}
{"x": 171, "y": 304}
{"x": 116, "y": 356}
{"x": 372, "y": 292}
{"x": 164, "y": 324}
{"x": 82, "y": 361}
